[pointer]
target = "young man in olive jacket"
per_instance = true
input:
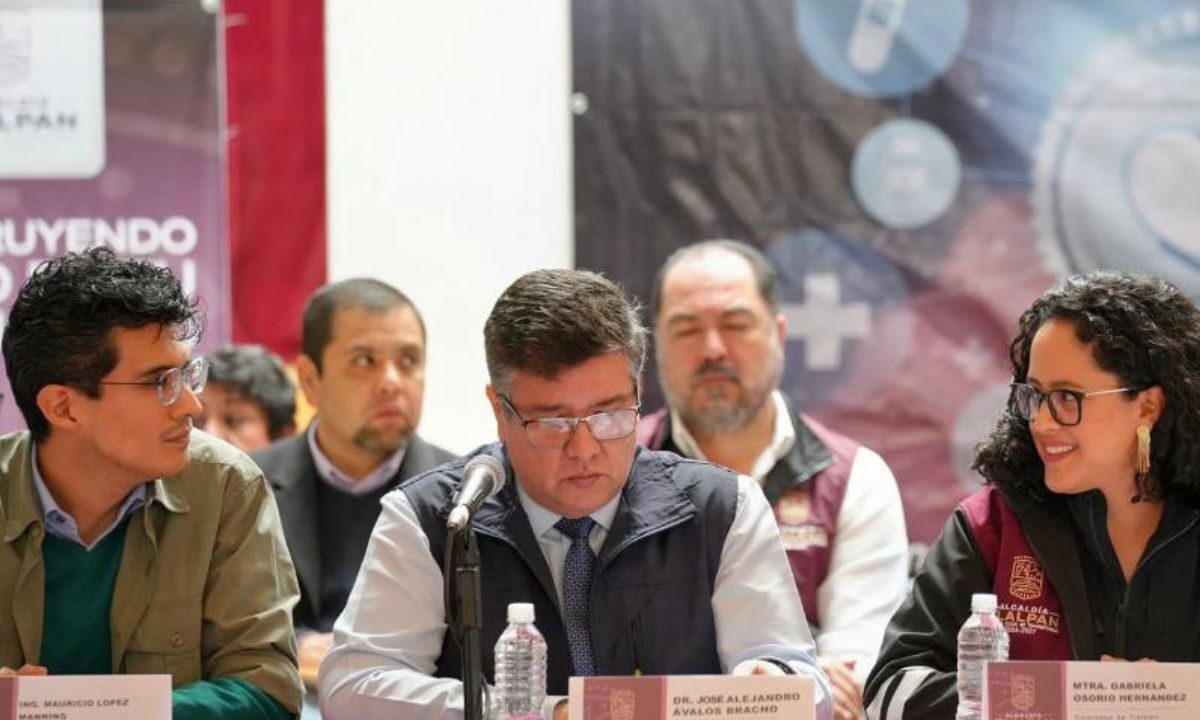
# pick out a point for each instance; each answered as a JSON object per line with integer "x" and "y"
{"x": 131, "y": 543}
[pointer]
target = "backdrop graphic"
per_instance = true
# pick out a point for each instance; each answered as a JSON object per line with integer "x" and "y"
{"x": 918, "y": 170}
{"x": 110, "y": 132}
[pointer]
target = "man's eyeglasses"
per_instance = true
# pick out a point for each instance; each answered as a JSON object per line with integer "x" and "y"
{"x": 1066, "y": 406}
{"x": 554, "y": 432}
{"x": 193, "y": 375}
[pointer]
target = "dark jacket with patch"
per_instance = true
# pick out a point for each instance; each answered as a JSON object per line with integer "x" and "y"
{"x": 1041, "y": 565}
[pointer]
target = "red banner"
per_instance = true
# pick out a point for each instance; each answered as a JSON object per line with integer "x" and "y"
{"x": 276, "y": 117}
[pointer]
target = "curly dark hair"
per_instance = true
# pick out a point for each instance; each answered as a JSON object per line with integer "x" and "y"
{"x": 60, "y": 327}
{"x": 257, "y": 374}
{"x": 1146, "y": 332}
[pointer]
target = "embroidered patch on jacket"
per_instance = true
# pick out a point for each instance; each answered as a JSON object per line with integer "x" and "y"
{"x": 1027, "y": 580}
{"x": 793, "y": 508}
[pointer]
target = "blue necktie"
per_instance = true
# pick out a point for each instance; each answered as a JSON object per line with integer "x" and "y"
{"x": 577, "y": 591}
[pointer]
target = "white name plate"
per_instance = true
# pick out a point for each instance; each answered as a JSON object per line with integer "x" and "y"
{"x": 763, "y": 697}
{"x": 1026, "y": 690}
{"x": 86, "y": 697}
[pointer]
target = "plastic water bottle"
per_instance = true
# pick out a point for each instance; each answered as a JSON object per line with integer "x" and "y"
{"x": 981, "y": 639}
{"x": 520, "y": 668}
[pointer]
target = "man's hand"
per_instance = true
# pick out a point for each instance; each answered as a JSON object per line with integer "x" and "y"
{"x": 756, "y": 667}
{"x": 313, "y": 647}
{"x": 561, "y": 712}
{"x": 847, "y": 690}
{"x": 24, "y": 670}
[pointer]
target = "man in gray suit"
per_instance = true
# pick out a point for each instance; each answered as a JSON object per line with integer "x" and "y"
{"x": 362, "y": 368}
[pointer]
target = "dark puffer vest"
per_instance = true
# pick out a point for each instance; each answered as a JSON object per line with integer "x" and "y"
{"x": 652, "y": 583}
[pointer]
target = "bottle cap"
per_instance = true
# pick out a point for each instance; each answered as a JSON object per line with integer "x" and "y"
{"x": 980, "y": 602}
{"x": 520, "y": 612}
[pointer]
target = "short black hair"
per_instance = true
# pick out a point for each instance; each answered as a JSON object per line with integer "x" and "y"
{"x": 1145, "y": 331}
{"x": 60, "y": 327}
{"x": 765, "y": 277}
{"x": 364, "y": 293}
{"x": 258, "y": 375}
{"x": 551, "y": 320}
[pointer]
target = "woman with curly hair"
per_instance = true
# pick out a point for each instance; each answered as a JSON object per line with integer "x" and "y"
{"x": 1088, "y": 530}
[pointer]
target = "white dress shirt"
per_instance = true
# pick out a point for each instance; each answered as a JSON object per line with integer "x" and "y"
{"x": 389, "y": 637}
{"x": 868, "y": 564}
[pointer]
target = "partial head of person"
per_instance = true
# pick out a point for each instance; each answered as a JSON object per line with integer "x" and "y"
{"x": 719, "y": 335}
{"x": 249, "y": 401}
{"x": 565, "y": 350}
{"x": 98, "y": 354}
{"x": 1105, "y": 394}
{"x": 363, "y": 369}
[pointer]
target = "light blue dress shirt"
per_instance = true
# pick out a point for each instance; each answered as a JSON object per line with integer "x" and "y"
{"x": 61, "y": 524}
{"x": 338, "y": 480}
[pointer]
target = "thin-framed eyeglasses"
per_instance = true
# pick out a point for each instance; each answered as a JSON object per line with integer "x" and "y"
{"x": 170, "y": 383}
{"x": 554, "y": 432}
{"x": 1066, "y": 406}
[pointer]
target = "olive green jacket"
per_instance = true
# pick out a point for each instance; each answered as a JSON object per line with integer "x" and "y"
{"x": 206, "y": 586}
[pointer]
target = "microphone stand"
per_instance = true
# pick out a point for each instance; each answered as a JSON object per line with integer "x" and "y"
{"x": 469, "y": 605}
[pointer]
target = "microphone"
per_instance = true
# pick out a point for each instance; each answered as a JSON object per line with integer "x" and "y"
{"x": 483, "y": 477}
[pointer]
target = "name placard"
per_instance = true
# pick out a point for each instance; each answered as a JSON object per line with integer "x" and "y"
{"x": 86, "y": 697}
{"x": 763, "y": 697}
{"x": 1026, "y": 690}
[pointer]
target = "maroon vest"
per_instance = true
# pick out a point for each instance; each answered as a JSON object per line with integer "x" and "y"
{"x": 806, "y": 512}
{"x": 1028, "y": 603}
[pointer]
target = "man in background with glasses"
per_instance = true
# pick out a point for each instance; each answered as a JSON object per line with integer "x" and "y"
{"x": 132, "y": 544}
{"x": 635, "y": 561}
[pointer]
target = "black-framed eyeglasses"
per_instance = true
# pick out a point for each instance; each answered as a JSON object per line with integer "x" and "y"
{"x": 170, "y": 383}
{"x": 554, "y": 432}
{"x": 1066, "y": 406}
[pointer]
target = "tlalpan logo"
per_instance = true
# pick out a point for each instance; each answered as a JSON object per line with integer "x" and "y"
{"x": 52, "y": 112}
{"x": 15, "y": 41}
{"x": 622, "y": 705}
{"x": 1023, "y": 692}
{"x": 1027, "y": 581}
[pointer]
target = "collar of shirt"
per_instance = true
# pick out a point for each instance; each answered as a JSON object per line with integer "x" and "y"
{"x": 553, "y": 544}
{"x": 59, "y": 522}
{"x": 783, "y": 438}
{"x": 541, "y": 520}
{"x": 338, "y": 480}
